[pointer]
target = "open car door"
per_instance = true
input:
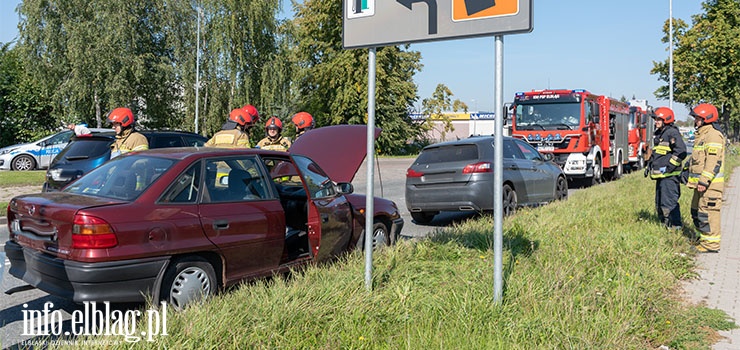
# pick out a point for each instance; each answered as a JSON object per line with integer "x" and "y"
{"x": 329, "y": 212}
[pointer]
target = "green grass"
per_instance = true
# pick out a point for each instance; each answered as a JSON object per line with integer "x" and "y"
{"x": 594, "y": 272}
{"x": 20, "y": 178}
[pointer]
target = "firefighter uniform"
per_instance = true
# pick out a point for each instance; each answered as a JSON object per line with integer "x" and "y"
{"x": 707, "y": 168}
{"x": 281, "y": 143}
{"x": 229, "y": 139}
{"x": 668, "y": 153}
{"x": 129, "y": 140}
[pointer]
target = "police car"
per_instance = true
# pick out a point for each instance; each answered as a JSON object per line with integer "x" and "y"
{"x": 38, "y": 154}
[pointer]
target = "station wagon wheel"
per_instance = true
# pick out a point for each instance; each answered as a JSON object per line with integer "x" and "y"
{"x": 381, "y": 236}
{"x": 188, "y": 280}
{"x": 23, "y": 162}
{"x": 423, "y": 217}
{"x": 561, "y": 189}
{"x": 509, "y": 201}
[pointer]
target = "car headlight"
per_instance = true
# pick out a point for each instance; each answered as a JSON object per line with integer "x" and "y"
{"x": 7, "y": 150}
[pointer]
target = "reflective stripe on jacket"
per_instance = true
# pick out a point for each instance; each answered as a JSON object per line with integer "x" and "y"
{"x": 707, "y": 160}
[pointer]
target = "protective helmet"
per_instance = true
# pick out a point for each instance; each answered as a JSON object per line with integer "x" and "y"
{"x": 252, "y": 110}
{"x": 705, "y": 111}
{"x": 665, "y": 114}
{"x": 239, "y": 116}
{"x": 303, "y": 120}
{"x": 274, "y": 121}
{"x": 121, "y": 115}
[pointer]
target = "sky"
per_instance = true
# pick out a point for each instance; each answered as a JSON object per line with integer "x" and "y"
{"x": 605, "y": 47}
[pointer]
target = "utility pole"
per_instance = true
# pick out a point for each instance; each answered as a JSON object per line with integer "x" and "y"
{"x": 197, "y": 70}
{"x": 670, "y": 54}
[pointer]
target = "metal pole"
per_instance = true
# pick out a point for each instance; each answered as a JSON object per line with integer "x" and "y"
{"x": 197, "y": 71}
{"x": 670, "y": 54}
{"x": 498, "y": 179}
{"x": 369, "y": 197}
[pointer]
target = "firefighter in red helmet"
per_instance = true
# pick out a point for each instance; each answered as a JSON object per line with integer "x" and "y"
{"x": 666, "y": 158}
{"x": 706, "y": 177}
{"x": 234, "y": 133}
{"x": 127, "y": 139}
{"x": 303, "y": 122}
{"x": 274, "y": 141}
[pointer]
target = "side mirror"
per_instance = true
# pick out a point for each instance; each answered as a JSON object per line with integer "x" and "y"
{"x": 595, "y": 112}
{"x": 345, "y": 188}
{"x": 41, "y": 144}
{"x": 548, "y": 157}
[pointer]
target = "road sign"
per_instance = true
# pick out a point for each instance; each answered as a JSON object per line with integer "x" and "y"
{"x": 474, "y": 9}
{"x": 373, "y": 23}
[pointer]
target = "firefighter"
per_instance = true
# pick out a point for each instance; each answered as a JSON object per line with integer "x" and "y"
{"x": 303, "y": 122}
{"x": 236, "y": 136}
{"x": 274, "y": 141}
{"x": 127, "y": 139}
{"x": 666, "y": 158}
{"x": 706, "y": 177}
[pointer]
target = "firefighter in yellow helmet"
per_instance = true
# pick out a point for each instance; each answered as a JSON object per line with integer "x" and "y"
{"x": 666, "y": 158}
{"x": 706, "y": 177}
{"x": 274, "y": 141}
{"x": 236, "y": 136}
{"x": 127, "y": 139}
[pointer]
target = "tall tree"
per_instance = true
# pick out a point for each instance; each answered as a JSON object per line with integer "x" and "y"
{"x": 435, "y": 107}
{"x": 706, "y": 58}
{"x": 332, "y": 82}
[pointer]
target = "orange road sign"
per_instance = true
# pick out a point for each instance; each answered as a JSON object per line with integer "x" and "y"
{"x": 475, "y": 9}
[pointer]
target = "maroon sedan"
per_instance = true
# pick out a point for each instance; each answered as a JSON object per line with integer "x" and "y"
{"x": 180, "y": 223}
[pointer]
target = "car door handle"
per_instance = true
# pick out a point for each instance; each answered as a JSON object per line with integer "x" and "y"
{"x": 220, "y": 224}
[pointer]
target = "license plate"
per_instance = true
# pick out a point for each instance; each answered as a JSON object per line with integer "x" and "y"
{"x": 546, "y": 148}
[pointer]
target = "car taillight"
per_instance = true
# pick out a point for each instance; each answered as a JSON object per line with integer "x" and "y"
{"x": 413, "y": 173}
{"x": 480, "y": 167}
{"x": 89, "y": 232}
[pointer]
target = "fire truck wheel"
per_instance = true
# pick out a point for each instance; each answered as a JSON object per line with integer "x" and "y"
{"x": 598, "y": 172}
{"x": 640, "y": 162}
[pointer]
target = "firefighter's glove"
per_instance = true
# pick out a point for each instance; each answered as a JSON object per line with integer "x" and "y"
{"x": 662, "y": 170}
{"x": 647, "y": 171}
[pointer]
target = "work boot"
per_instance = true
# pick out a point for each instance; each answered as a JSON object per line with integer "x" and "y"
{"x": 701, "y": 249}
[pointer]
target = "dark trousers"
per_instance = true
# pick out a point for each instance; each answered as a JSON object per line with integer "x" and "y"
{"x": 667, "y": 193}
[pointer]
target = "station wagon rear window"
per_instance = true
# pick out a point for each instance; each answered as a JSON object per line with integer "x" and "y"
{"x": 452, "y": 153}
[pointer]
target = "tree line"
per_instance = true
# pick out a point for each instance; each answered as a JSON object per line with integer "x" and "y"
{"x": 76, "y": 60}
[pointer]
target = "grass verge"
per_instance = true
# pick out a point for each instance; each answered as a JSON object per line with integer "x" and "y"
{"x": 10, "y": 179}
{"x": 595, "y": 271}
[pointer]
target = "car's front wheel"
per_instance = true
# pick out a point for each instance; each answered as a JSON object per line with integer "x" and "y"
{"x": 422, "y": 217}
{"x": 561, "y": 190}
{"x": 23, "y": 163}
{"x": 510, "y": 201}
{"x": 188, "y": 280}
{"x": 381, "y": 236}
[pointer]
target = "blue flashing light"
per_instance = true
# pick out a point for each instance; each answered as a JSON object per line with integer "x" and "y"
{"x": 519, "y": 94}
{"x": 558, "y": 137}
{"x": 579, "y": 90}
{"x": 530, "y": 137}
{"x": 538, "y": 137}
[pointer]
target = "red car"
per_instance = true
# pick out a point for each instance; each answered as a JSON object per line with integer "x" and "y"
{"x": 180, "y": 223}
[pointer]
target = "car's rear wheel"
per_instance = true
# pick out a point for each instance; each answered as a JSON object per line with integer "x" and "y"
{"x": 188, "y": 280}
{"x": 23, "y": 163}
{"x": 510, "y": 201}
{"x": 423, "y": 217}
{"x": 381, "y": 236}
{"x": 561, "y": 189}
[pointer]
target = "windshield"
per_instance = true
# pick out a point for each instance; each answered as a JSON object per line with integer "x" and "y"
{"x": 548, "y": 116}
{"x": 121, "y": 178}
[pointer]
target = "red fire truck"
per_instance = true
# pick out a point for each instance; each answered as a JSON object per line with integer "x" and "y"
{"x": 586, "y": 133}
{"x": 640, "y": 135}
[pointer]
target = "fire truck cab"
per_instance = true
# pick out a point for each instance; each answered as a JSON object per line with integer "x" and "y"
{"x": 586, "y": 133}
{"x": 641, "y": 130}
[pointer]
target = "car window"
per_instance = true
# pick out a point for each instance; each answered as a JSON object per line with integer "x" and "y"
{"x": 528, "y": 151}
{"x": 235, "y": 179}
{"x": 511, "y": 151}
{"x": 87, "y": 148}
{"x": 121, "y": 178}
{"x": 191, "y": 141}
{"x": 163, "y": 141}
{"x": 451, "y": 153}
{"x": 185, "y": 188}
{"x": 318, "y": 183}
{"x": 62, "y": 137}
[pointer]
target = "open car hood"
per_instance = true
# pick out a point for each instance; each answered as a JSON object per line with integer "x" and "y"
{"x": 339, "y": 150}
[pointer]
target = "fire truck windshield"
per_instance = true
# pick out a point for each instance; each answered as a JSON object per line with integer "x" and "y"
{"x": 548, "y": 116}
